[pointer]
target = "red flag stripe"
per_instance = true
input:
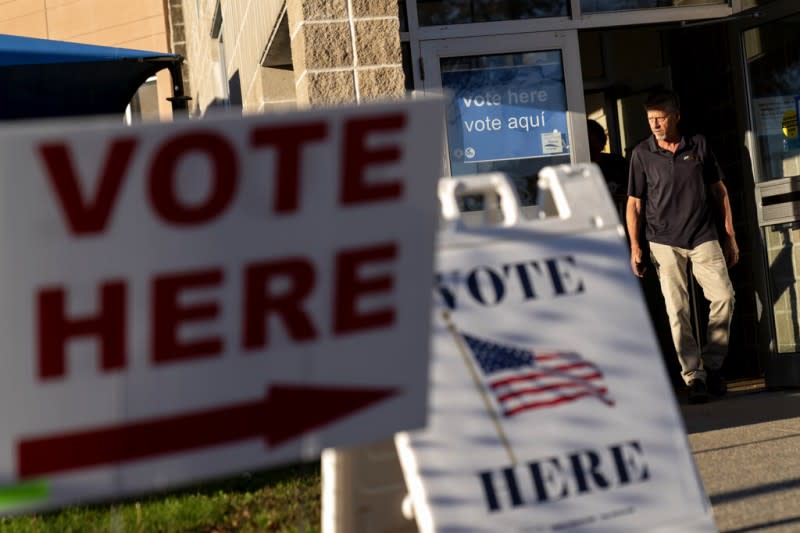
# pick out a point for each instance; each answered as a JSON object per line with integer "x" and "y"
{"x": 556, "y": 401}
{"x": 543, "y": 373}
{"x": 554, "y": 386}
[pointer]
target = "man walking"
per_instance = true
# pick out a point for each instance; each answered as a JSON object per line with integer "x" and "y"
{"x": 672, "y": 182}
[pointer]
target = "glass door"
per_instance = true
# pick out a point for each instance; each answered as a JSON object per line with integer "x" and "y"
{"x": 514, "y": 104}
{"x": 772, "y": 59}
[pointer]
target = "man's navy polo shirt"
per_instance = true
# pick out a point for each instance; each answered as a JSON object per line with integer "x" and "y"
{"x": 674, "y": 188}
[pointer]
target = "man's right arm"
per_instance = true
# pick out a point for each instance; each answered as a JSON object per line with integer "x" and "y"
{"x": 633, "y": 218}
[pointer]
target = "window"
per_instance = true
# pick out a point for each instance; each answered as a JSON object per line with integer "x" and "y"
{"x": 220, "y": 67}
{"x": 596, "y": 6}
{"x": 402, "y": 15}
{"x": 405, "y": 46}
{"x": 773, "y": 66}
{"x": 444, "y": 12}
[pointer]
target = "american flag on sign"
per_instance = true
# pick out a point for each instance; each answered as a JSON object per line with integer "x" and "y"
{"x": 521, "y": 380}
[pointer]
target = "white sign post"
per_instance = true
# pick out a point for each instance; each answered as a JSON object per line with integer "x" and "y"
{"x": 193, "y": 299}
{"x": 550, "y": 407}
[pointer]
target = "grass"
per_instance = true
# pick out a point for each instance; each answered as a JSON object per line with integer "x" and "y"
{"x": 285, "y": 500}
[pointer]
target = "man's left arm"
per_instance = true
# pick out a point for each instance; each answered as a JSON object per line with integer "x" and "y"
{"x": 729, "y": 247}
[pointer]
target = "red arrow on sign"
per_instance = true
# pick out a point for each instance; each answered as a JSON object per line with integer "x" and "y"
{"x": 284, "y": 413}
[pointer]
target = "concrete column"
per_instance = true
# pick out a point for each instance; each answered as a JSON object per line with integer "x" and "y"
{"x": 345, "y": 50}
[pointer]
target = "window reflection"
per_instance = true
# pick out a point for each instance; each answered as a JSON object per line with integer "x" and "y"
{"x": 445, "y": 12}
{"x": 773, "y": 61}
{"x": 596, "y": 6}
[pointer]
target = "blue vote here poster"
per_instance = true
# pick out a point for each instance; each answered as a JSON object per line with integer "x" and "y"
{"x": 509, "y": 112}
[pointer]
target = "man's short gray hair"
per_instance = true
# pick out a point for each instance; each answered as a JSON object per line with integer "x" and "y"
{"x": 663, "y": 100}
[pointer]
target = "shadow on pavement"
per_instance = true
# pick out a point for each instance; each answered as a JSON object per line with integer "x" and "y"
{"x": 735, "y": 495}
{"x": 752, "y": 404}
{"x": 773, "y": 523}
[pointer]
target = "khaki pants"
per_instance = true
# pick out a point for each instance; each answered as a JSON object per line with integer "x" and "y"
{"x": 710, "y": 271}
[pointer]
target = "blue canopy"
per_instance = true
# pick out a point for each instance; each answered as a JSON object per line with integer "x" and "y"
{"x": 43, "y": 78}
{"x": 16, "y": 50}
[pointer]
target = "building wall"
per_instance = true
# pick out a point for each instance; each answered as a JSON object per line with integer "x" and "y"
{"x": 272, "y": 54}
{"x": 246, "y": 28}
{"x": 138, "y": 25}
{"x": 345, "y": 50}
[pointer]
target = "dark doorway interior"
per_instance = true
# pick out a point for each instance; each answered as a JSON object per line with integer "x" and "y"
{"x": 704, "y": 67}
{"x": 621, "y": 66}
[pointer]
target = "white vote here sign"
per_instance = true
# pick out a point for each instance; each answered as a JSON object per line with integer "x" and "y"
{"x": 550, "y": 408}
{"x": 191, "y": 299}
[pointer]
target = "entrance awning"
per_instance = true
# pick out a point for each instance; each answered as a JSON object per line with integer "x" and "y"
{"x": 43, "y": 78}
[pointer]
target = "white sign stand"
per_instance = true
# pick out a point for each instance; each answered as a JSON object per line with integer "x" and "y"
{"x": 550, "y": 408}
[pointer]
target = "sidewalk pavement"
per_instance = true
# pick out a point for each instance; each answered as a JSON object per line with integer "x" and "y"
{"x": 747, "y": 449}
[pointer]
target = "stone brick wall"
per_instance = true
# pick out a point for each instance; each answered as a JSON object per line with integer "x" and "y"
{"x": 345, "y": 50}
{"x": 341, "y": 51}
{"x": 176, "y": 34}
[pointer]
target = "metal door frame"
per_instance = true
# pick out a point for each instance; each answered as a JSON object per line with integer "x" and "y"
{"x": 780, "y": 369}
{"x": 431, "y": 51}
